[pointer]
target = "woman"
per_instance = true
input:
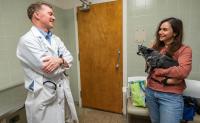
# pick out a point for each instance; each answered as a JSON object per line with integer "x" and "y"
{"x": 165, "y": 86}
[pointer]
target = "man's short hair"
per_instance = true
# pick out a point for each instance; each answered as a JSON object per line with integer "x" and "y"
{"x": 35, "y": 7}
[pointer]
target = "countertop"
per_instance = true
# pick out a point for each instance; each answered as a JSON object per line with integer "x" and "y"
{"x": 11, "y": 100}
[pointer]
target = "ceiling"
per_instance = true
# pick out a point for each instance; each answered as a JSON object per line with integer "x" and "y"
{"x": 64, "y": 4}
{"x": 68, "y": 4}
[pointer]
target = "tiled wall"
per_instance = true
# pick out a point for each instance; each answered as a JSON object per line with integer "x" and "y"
{"x": 13, "y": 23}
{"x": 143, "y": 17}
{"x": 73, "y": 73}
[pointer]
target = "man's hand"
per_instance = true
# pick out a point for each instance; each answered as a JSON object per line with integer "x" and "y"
{"x": 51, "y": 63}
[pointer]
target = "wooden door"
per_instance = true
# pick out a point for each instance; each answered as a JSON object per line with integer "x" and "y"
{"x": 100, "y": 55}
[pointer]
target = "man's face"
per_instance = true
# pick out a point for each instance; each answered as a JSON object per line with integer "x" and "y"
{"x": 46, "y": 17}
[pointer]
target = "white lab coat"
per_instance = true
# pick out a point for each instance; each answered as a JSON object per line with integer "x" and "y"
{"x": 43, "y": 104}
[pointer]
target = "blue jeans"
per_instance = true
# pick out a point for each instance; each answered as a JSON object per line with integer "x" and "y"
{"x": 164, "y": 107}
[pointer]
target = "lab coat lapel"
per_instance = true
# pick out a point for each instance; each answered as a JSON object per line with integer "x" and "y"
{"x": 54, "y": 44}
{"x": 41, "y": 38}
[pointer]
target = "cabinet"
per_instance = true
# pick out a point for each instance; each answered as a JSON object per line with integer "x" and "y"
{"x": 2, "y": 121}
{"x": 12, "y": 105}
{"x": 16, "y": 117}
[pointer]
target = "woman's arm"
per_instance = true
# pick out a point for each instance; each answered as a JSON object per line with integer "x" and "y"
{"x": 183, "y": 69}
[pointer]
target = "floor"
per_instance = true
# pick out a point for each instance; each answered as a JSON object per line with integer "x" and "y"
{"x": 96, "y": 116}
{"x": 87, "y": 115}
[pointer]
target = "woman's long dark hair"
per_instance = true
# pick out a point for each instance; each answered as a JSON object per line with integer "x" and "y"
{"x": 177, "y": 27}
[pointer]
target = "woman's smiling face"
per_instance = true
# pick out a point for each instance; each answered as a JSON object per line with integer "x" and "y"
{"x": 166, "y": 33}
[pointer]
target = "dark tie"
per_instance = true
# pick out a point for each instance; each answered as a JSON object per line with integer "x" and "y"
{"x": 48, "y": 38}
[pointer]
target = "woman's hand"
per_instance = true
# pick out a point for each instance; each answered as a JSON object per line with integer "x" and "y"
{"x": 173, "y": 81}
{"x": 159, "y": 72}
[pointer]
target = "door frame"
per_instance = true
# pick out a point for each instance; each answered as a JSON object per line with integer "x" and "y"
{"x": 124, "y": 43}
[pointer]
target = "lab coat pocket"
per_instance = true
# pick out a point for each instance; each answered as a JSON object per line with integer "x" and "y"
{"x": 48, "y": 95}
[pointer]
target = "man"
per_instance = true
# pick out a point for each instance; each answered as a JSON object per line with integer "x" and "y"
{"x": 44, "y": 59}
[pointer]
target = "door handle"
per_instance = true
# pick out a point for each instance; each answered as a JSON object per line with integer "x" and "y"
{"x": 118, "y": 59}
